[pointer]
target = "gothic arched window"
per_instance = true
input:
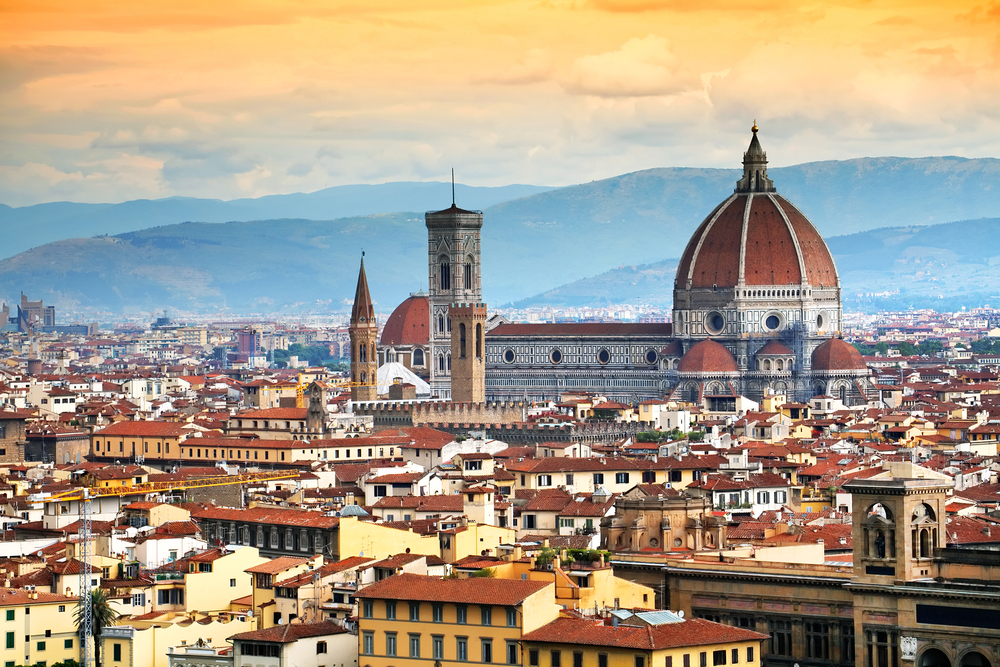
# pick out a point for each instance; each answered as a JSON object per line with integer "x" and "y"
{"x": 445, "y": 273}
{"x": 461, "y": 340}
{"x": 479, "y": 341}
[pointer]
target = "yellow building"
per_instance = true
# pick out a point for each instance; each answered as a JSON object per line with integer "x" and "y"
{"x": 143, "y": 643}
{"x": 208, "y": 581}
{"x": 409, "y": 619}
{"x": 580, "y": 642}
{"x": 37, "y": 627}
{"x": 585, "y": 584}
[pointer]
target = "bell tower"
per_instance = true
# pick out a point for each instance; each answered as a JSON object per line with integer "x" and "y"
{"x": 455, "y": 276}
{"x": 363, "y": 332}
{"x": 468, "y": 352}
{"x": 898, "y": 522}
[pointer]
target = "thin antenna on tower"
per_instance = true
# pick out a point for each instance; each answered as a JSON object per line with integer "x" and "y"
{"x": 452, "y": 186}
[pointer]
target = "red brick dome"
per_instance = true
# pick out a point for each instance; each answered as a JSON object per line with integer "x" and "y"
{"x": 408, "y": 324}
{"x": 772, "y": 243}
{"x": 774, "y": 347}
{"x": 756, "y": 236}
{"x": 708, "y": 356}
{"x": 836, "y": 355}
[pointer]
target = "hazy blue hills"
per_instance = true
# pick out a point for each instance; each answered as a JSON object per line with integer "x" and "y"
{"x": 31, "y": 226}
{"x": 947, "y": 265}
{"x": 530, "y": 244}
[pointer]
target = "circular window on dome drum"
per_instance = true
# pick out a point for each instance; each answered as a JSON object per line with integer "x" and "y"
{"x": 555, "y": 356}
{"x": 509, "y": 356}
{"x": 820, "y": 322}
{"x": 604, "y": 356}
{"x": 715, "y": 322}
{"x": 772, "y": 321}
{"x": 650, "y": 356}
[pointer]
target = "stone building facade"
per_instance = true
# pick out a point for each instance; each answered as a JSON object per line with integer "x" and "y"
{"x": 455, "y": 276}
{"x": 757, "y": 309}
{"x": 908, "y": 599}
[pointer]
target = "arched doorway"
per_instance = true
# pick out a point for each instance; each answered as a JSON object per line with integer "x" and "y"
{"x": 975, "y": 659}
{"x": 933, "y": 657}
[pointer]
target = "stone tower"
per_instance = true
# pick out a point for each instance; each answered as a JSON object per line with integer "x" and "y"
{"x": 898, "y": 522}
{"x": 454, "y": 271}
{"x": 364, "y": 338}
{"x": 468, "y": 347}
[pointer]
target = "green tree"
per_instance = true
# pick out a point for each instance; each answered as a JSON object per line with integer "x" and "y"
{"x": 103, "y": 616}
{"x": 484, "y": 573}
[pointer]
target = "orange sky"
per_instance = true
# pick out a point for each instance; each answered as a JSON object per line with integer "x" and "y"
{"x": 107, "y": 101}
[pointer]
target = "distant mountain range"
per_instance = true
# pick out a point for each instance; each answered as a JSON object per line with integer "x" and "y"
{"x": 571, "y": 237}
{"x": 31, "y": 226}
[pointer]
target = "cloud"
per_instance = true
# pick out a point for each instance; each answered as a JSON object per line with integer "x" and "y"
{"x": 643, "y": 6}
{"x": 533, "y": 67}
{"x": 641, "y": 68}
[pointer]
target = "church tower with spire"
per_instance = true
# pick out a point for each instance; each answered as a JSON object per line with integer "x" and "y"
{"x": 364, "y": 338}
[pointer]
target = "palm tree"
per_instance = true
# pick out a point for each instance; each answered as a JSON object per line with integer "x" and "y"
{"x": 103, "y": 616}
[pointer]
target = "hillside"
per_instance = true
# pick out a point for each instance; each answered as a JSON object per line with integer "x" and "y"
{"x": 839, "y": 196}
{"x": 946, "y": 266}
{"x": 305, "y": 265}
{"x": 31, "y": 226}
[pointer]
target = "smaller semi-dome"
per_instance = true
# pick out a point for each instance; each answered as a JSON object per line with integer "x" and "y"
{"x": 836, "y": 355}
{"x": 775, "y": 348}
{"x": 409, "y": 323}
{"x": 673, "y": 349}
{"x": 708, "y": 356}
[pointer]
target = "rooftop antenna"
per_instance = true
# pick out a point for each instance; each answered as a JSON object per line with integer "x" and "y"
{"x": 453, "y": 187}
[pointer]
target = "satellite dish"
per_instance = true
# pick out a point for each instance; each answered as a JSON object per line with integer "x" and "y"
{"x": 281, "y": 621}
{"x": 681, "y": 613}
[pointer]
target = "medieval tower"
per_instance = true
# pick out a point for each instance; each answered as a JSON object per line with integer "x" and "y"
{"x": 455, "y": 277}
{"x": 364, "y": 337}
{"x": 468, "y": 332}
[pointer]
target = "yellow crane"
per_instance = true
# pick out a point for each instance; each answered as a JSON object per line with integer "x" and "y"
{"x": 86, "y": 494}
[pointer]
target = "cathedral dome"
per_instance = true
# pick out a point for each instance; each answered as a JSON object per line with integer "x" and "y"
{"x": 707, "y": 356}
{"x": 756, "y": 237}
{"x": 836, "y": 355}
{"x": 408, "y": 324}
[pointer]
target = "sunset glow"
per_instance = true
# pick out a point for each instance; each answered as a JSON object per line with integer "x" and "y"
{"x": 109, "y": 101}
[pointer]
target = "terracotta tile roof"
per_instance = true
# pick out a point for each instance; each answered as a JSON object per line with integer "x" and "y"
{"x": 273, "y": 413}
{"x": 692, "y": 632}
{"x": 399, "y": 560}
{"x": 969, "y": 530}
{"x": 398, "y": 478}
{"x": 501, "y": 592}
{"x": 144, "y": 428}
{"x": 548, "y": 500}
{"x": 439, "y": 503}
{"x": 276, "y": 565}
{"x": 10, "y": 597}
{"x": 268, "y": 515}
{"x": 290, "y": 632}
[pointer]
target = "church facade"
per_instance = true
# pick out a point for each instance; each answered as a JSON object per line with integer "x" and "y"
{"x": 756, "y": 309}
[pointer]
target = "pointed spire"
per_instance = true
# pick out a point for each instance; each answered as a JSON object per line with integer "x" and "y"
{"x": 363, "y": 307}
{"x": 755, "y": 168}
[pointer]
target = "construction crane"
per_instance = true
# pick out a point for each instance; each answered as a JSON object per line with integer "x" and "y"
{"x": 84, "y": 495}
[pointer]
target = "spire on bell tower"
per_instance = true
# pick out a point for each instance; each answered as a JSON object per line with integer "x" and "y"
{"x": 363, "y": 332}
{"x": 755, "y": 168}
